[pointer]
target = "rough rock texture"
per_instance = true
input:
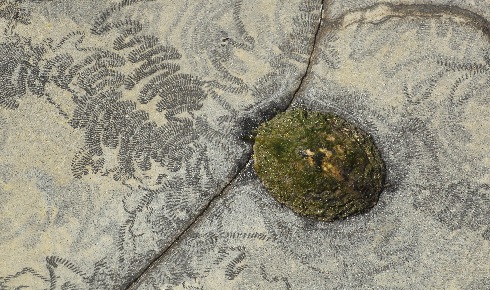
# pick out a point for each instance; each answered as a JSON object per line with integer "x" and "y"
{"x": 118, "y": 128}
{"x": 419, "y": 85}
{"x": 337, "y": 8}
{"x": 125, "y": 151}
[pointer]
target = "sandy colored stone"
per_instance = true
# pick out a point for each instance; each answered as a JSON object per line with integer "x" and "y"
{"x": 121, "y": 120}
{"x": 419, "y": 86}
{"x": 103, "y": 166}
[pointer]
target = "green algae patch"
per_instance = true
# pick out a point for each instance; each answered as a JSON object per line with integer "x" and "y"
{"x": 318, "y": 164}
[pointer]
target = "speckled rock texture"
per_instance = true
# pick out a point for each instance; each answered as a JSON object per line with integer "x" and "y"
{"x": 125, "y": 148}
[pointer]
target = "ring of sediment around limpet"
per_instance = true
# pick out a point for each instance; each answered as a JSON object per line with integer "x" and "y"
{"x": 318, "y": 164}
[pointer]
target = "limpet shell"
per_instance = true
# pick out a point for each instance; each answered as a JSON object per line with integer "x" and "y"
{"x": 318, "y": 164}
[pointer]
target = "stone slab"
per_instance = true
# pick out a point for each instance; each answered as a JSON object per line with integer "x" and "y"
{"x": 125, "y": 149}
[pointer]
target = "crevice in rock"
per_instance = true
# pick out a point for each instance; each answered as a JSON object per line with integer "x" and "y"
{"x": 323, "y": 6}
{"x": 194, "y": 221}
{"x": 202, "y": 213}
{"x": 382, "y": 12}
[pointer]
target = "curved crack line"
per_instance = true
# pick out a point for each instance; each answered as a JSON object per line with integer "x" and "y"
{"x": 202, "y": 213}
{"x": 382, "y": 12}
{"x": 136, "y": 281}
{"x": 391, "y": 11}
{"x": 323, "y": 7}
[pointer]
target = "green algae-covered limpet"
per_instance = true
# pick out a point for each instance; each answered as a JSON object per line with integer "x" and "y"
{"x": 318, "y": 164}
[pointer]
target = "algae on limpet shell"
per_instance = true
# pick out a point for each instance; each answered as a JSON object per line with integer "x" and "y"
{"x": 318, "y": 164}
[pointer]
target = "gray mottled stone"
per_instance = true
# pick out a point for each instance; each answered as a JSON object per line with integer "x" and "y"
{"x": 337, "y": 8}
{"x": 419, "y": 86}
{"x": 125, "y": 151}
{"x": 121, "y": 120}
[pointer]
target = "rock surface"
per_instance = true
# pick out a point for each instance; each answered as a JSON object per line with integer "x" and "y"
{"x": 125, "y": 152}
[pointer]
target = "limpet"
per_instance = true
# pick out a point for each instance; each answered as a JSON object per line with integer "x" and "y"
{"x": 318, "y": 164}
